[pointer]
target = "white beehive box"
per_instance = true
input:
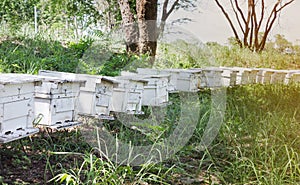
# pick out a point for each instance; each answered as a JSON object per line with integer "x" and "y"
{"x": 259, "y": 76}
{"x": 213, "y": 77}
{"x": 289, "y": 76}
{"x": 293, "y": 76}
{"x": 173, "y": 73}
{"x": 173, "y": 82}
{"x": 229, "y": 76}
{"x": 127, "y": 97}
{"x": 156, "y": 90}
{"x": 190, "y": 80}
{"x": 253, "y": 76}
{"x": 95, "y": 98}
{"x": 56, "y": 102}
{"x": 264, "y": 76}
{"x": 243, "y": 76}
{"x": 278, "y": 77}
{"x": 17, "y": 106}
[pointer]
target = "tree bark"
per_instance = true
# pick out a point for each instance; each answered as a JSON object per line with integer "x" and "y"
{"x": 130, "y": 27}
{"x": 147, "y": 24}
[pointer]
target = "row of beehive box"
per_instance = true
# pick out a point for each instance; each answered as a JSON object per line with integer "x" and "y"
{"x": 24, "y": 98}
{"x": 213, "y": 77}
{"x": 55, "y": 99}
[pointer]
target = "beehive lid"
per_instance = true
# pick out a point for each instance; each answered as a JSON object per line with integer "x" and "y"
{"x": 147, "y": 71}
{"x": 135, "y": 78}
{"x": 229, "y": 69}
{"x": 12, "y": 78}
{"x": 192, "y": 70}
{"x": 156, "y": 76}
{"x": 59, "y": 77}
{"x": 216, "y": 69}
{"x": 172, "y": 70}
{"x": 110, "y": 79}
{"x": 60, "y": 80}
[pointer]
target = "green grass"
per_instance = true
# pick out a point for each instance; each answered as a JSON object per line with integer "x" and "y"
{"x": 259, "y": 143}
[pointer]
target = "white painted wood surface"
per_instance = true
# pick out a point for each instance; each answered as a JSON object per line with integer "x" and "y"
{"x": 17, "y": 106}
{"x": 156, "y": 90}
{"x": 56, "y": 100}
{"x": 95, "y": 97}
{"x": 128, "y": 96}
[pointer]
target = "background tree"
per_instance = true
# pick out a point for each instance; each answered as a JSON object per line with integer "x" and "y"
{"x": 250, "y": 22}
{"x": 140, "y": 23}
{"x": 16, "y": 12}
{"x": 71, "y": 14}
{"x": 281, "y": 43}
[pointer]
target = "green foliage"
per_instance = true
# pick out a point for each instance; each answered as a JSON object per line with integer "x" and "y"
{"x": 181, "y": 54}
{"x": 122, "y": 62}
{"x": 269, "y": 58}
{"x": 25, "y": 55}
{"x": 98, "y": 170}
{"x": 258, "y": 142}
{"x": 17, "y": 12}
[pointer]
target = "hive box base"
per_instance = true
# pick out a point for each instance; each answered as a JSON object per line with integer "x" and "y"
{"x": 18, "y": 134}
{"x": 64, "y": 125}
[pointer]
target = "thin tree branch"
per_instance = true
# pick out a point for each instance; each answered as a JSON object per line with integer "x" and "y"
{"x": 286, "y": 4}
{"x": 237, "y": 17}
{"x": 262, "y": 14}
{"x": 171, "y": 9}
{"x": 230, "y": 22}
{"x": 240, "y": 10}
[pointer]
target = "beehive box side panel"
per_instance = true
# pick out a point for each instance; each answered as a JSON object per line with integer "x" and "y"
{"x": 134, "y": 97}
{"x": 87, "y": 102}
{"x": 18, "y": 89}
{"x": 102, "y": 110}
{"x": 103, "y": 100}
{"x": 183, "y": 84}
{"x": 149, "y": 96}
{"x": 119, "y": 100}
{"x": 295, "y": 78}
{"x": 43, "y": 107}
{"x": 62, "y": 117}
{"x": 14, "y": 124}
{"x": 67, "y": 88}
{"x": 17, "y": 109}
{"x": 267, "y": 77}
{"x": 64, "y": 104}
{"x": 91, "y": 82}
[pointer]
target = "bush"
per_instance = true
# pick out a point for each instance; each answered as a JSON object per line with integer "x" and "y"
{"x": 26, "y": 55}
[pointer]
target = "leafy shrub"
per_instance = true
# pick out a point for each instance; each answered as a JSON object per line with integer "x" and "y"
{"x": 26, "y": 55}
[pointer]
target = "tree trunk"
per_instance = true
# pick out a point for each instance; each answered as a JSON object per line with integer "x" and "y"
{"x": 130, "y": 27}
{"x": 147, "y": 24}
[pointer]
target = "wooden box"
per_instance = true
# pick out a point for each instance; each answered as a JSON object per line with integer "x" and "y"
{"x": 264, "y": 76}
{"x": 156, "y": 90}
{"x": 190, "y": 80}
{"x": 213, "y": 77}
{"x": 173, "y": 73}
{"x": 127, "y": 97}
{"x": 243, "y": 76}
{"x": 17, "y": 106}
{"x": 56, "y": 102}
{"x": 229, "y": 76}
{"x": 95, "y": 98}
{"x": 278, "y": 77}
